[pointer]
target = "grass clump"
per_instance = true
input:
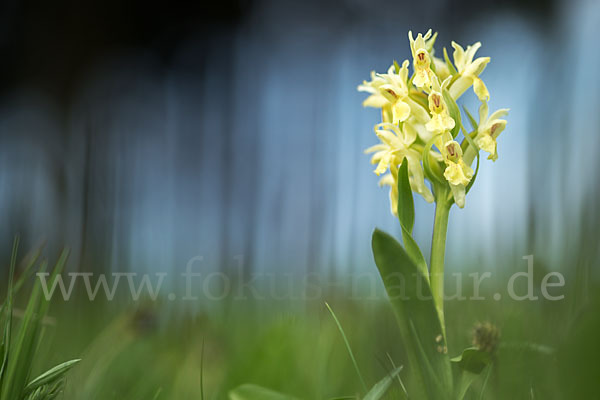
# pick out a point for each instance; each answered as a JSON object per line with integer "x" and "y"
{"x": 21, "y": 340}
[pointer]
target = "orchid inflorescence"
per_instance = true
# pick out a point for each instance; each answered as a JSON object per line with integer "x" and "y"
{"x": 421, "y": 121}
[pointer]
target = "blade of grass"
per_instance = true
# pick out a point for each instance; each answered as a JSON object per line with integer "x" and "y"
{"x": 485, "y": 381}
{"x": 398, "y": 376}
{"x": 202, "y": 372}
{"x": 380, "y": 388}
{"x": 19, "y": 365}
{"x": 50, "y": 376}
{"x": 337, "y": 322}
{"x": 8, "y": 303}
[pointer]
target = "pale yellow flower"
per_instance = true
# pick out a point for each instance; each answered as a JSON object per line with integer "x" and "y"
{"x": 440, "y": 118}
{"x": 457, "y": 172}
{"x": 469, "y": 71}
{"x": 394, "y": 147}
{"x": 376, "y": 99}
{"x": 390, "y": 93}
{"x": 391, "y": 181}
{"x": 489, "y": 129}
{"x": 394, "y": 144}
{"x": 420, "y": 49}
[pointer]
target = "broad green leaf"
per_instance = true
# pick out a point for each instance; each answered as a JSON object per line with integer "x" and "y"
{"x": 406, "y": 205}
{"x": 255, "y": 392}
{"x": 50, "y": 376}
{"x": 380, "y": 388}
{"x": 406, "y": 215}
{"x": 424, "y": 361}
{"x": 413, "y": 306}
{"x": 454, "y": 112}
{"x": 473, "y": 360}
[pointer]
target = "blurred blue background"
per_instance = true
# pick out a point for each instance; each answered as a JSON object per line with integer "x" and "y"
{"x": 142, "y": 135}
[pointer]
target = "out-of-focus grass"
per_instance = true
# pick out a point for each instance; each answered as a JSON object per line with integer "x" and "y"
{"x": 132, "y": 352}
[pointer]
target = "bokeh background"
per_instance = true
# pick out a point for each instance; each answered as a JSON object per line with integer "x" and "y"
{"x": 142, "y": 135}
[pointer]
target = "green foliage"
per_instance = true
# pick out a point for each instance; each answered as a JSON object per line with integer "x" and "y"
{"x": 255, "y": 392}
{"x": 347, "y": 343}
{"x": 473, "y": 360}
{"x": 413, "y": 306}
{"x": 472, "y": 120}
{"x": 454, "y": 112}
{"x": 19, "y": 352}
{"x": 406, "y": 215}
{"x": 381, "y": 388}
{"x": 451, "y": 67}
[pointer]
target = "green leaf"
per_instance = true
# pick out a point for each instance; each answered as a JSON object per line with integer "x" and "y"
{"x": 453, "y": 70}
{"x": 23, "y": 351}
{"x": 396, "y": 67}
{"x": 429, "y": 172}
{"x": 157, "y": 394}
{"x": 255, "y": 392}
{"x": 473, "y": 360}
{"x": 202, "y": 372}
{"x": 380, "y": 388}
{"x": 413, "y": 306}
{"x": 485, "y": 381}
{"x": 50, "y": 376}
{"x": 406, "y": 205}
{"x": 472, "y": 121}
{"x": 454, "y": 112}
{"x": 406, "y": 215}
{"x": 464, "y": 383}
{"x": 8, "y": 305}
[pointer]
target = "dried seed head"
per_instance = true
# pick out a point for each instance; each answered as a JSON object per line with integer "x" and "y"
{"x": 486, "y": 337}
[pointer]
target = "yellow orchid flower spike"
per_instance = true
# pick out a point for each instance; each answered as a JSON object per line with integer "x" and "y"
{"x": 489, "y": 129}
{"x": 423, "y": 139}
{"x": 420, "y": 112}
{"x": 469, "y": 71}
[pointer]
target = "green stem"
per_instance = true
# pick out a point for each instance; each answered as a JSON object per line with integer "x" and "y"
{"x": 438, "y": 250}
